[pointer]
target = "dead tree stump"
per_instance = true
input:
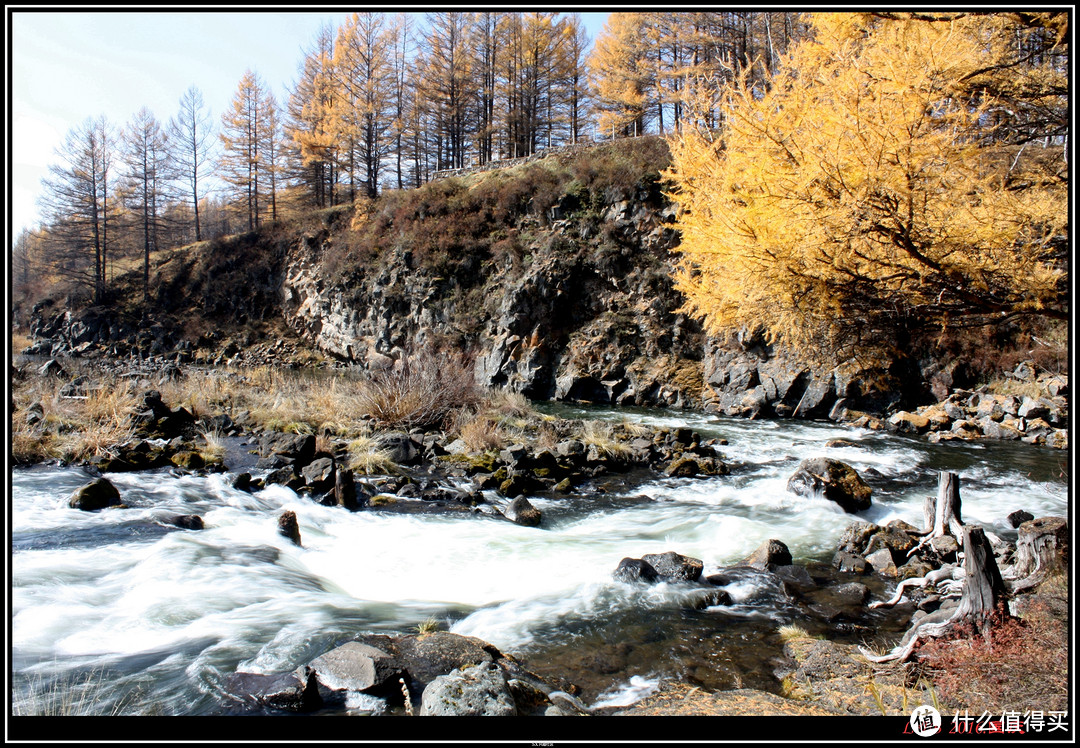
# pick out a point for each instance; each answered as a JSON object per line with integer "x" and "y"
{"x": 980, "y": 599}
{"x": 942, "y": 512}
{"x": 1042, "y": 548}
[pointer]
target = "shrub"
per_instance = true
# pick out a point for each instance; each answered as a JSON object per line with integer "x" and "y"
{"x": 419, "y": 391}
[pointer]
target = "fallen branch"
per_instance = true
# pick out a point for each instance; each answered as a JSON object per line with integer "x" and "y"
{"x": 946, "y": 573}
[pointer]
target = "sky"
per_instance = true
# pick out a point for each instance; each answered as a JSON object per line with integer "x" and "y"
{"x": 66, "y": 67}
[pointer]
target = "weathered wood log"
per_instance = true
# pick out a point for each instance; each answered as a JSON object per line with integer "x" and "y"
{"x": 946, "y": 515}
{"x": 980, "y": 599}
{"x": 947, "y": 573}
{"x": 1042, "y": 548}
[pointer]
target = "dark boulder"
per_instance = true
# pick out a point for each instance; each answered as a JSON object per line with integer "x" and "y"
{"x": 520, "y": 511}
{"x": 1019, "y": 517}
{"x": 635, "y": 570}
{"x": 427, "y": 656}
{"x": 674, "y": 566}
{"x": 850, "y": 562}
{"x": 98, "y": 494}
{"x": 320, "y": 475}
{"x": 835, "y": 480}
{"x": 294, "y": 692}
{"x": 298, "y": 447}
{"x": 345, "y": 491}
{"x": 288, "y": 526}
{"x": 187, "y": 521}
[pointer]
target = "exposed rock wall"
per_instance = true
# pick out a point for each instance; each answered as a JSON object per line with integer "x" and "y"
{"x": 586, "y": 312}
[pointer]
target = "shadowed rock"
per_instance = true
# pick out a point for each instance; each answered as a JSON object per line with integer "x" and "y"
{"x": 97, "y": 494}
{"x": 289, "y": 527}
{"x": 834, "y": 480}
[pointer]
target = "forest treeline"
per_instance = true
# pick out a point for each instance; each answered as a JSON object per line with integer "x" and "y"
{"x": 841, "y": 177}
{"x": 382, "y": 102}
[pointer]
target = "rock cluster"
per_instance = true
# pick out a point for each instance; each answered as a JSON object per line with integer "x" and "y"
{"x": 965, "y": 415}
{"x": 436, "y": 674}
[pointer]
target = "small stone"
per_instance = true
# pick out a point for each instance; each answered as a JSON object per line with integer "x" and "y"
{"x": 1019, "y": 517}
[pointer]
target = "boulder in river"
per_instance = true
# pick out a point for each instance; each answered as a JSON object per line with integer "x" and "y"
{"x": 355, "y": 666}
{"x": 674, "y": 566}
{"x": 97, "y": 494}
{"x": 475, "y": 691}
{"x": 635, "y": 570}
{"x": 289, "y": 527}
{"x": 835, "y": 480}
{"x": 522, "y": 512}
{"x": 295, "y": 692}
{"x": 769, "y": 555}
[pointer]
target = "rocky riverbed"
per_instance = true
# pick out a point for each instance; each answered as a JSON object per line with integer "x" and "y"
{"x": 434, "y": 473}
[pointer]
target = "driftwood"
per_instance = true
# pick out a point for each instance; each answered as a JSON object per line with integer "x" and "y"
{"x": 980, "y": 596}
{"x": 946, "y": 575}
{"x": 1042, "y": 548}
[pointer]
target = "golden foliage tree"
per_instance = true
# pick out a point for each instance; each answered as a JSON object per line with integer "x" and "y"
{"x": 866, "y": 191}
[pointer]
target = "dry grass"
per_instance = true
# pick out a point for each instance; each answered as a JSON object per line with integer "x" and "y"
{"x": 71, "y": 428}
{"x": 482, "y": 433}
{"x": 367, "y": 457}
{"x": 601, "y": 434}
{"x": 422, "y": 391}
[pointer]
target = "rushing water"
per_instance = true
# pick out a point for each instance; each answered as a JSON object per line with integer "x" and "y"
{"x": 149, "y": 618}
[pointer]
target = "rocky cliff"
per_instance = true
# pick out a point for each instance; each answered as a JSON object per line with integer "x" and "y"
{"x": 553, "y": 276}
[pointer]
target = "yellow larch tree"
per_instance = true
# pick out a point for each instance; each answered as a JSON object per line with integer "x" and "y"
{"x": 869, "y": 190}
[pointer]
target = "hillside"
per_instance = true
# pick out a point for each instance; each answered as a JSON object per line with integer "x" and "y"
{"x": 552, "y": 275}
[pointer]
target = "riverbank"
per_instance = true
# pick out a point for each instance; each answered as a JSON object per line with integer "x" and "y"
{"x": 599, "y": 461}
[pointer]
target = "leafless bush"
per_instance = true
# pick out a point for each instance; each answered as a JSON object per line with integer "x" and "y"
{"x": 420, "y": 391}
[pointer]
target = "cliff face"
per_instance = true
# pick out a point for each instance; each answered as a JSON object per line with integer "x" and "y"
{"x": 582, "y": 307}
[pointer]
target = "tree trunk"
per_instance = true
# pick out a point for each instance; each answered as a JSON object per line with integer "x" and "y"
{"x": 1042, "y": 548}
{"x": 980, "y": 599}
{"x": 942, "y": 512}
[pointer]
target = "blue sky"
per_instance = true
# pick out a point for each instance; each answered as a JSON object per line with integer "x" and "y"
{"x": 68, "y": 66}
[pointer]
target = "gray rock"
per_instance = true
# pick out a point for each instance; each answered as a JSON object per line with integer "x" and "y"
{"x": 882, "y": 562}
{"x": 357, "y": 667}
{"x": 850, "y": 562}
{"x": 477, "y": 691}
{"x": 770, "y": 554}
{"x": 856, "y": 537}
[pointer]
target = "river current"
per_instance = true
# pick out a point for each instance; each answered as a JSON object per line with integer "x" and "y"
{"x": 118, "y": 612}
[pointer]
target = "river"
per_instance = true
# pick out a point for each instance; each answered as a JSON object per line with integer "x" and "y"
{"x": 115, "y": 612}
